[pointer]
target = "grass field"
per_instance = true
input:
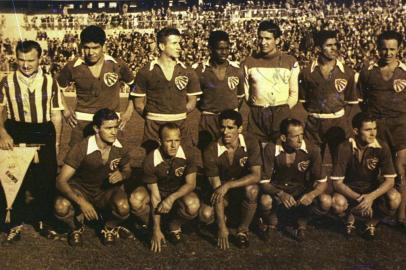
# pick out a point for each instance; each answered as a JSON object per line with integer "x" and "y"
{"x": 324, "y": 248}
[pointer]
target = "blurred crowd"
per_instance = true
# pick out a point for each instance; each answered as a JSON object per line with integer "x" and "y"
{"x": 357, "y": 23}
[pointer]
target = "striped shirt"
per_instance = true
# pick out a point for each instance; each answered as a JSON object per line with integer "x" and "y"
{"x": 271, "y": 81}
{"x": 30, "y": 100}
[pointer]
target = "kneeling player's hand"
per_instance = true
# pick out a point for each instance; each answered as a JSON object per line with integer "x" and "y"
{"x": 115, "y": 177}
{"x": 219, "y": 193}
{"x": 222, "y": 239}
{"x": 287, "y": 199}
{"x": 306, "y": 199}
{"x": 6, "y": 142}
{"x": 88, "y": 210}
{"x": 165, "y": 206}
{"x": 365, "y": 202}
{"x": 157, "y": 240}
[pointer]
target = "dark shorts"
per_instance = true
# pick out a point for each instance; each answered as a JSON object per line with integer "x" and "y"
{"x": 82, "y": 130}
{"x": 327, "y": 131}
{"x": 393, "y": 132}
{"x": 151, "y": 134}
{"x": 263, "y": 122}
{"x": 209, "y": 129}
{"x": 101, "y": 199}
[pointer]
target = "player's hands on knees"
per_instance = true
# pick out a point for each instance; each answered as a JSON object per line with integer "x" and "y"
{"x": 287, "y": 199}
{"x": 219, "y": 193}
{"x": 165, "y": 205}
{"x": 365, "y": 202}
{"x": 6, "y": 141}
{"x": 88, "y": 210}
{"x": 306, "y": 199}
{"x": 70, "y": 117}
{"x": 115, "y": 177}
{"x": 222, "y": 238}
{"x": 157, "y": 241}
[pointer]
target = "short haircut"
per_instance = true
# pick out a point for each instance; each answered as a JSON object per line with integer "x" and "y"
{"x": 168, "y": 125}
{"x": 28, "y": 45}
{"x": 321, "y": 37}
{"x": 360, "y": 118}
{"x": 217, "y": 36}
{"x": 93, "y": 33}
{"x": 231, "y": 115}
{"x": 387, "y": 35}
{"x": 271, "y": 27}
{"x": 164, "y": 33}
{"x": 104, "y": 115}
{"x": 286, "y": 123}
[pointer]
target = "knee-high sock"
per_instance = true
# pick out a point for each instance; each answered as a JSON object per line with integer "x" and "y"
{"x": 247, "y": 214}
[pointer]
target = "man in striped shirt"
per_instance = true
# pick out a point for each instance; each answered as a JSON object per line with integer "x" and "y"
{"x": 97, "y": 78}
{"x": 33, "y": 103}
{"x": 271, "y": 84}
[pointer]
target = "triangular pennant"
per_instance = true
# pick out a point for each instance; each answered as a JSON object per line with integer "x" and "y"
{"x": 13, "y": 168}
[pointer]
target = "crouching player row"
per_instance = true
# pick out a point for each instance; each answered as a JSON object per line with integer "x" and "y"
{"x": 363, "y": 177}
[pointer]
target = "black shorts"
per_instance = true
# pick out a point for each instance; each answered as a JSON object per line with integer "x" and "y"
{"x": 263, "y": 122}
{"x": 209, "y": 130}
{"x": 393, "y": 132}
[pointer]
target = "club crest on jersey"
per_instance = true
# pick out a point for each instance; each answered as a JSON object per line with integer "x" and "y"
{"x": 303, "y": 165}
{"x": 233, "y": 82}
{"x": 399, "y": 85}
{"x": 243, "y": 161}
{"x": 372, "y": 163}
{"x": 114, "y": 164}
{"x": 180, "y": 171}
{"x": 110, "y": 78}
{"x": 181, "y": 82}
{"x": 340, "y": 84}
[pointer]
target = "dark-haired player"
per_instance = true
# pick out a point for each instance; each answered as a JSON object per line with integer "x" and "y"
{"x": 271, "y": 84}
{"x": 30, "y": 113}
{"x": 327, "y": 90}
{"x": 233, "y": 166}
{"x": 170, "y": 174}
{"x": 222, "y": 84}
{"x": 97, "y": 78}
{"x": 293, "y": 180}
{"x": 383, "y": 89}
{"x": 360, "y": 164}
{"x": 166, "y": 89}
{"x": 91, "y": 180}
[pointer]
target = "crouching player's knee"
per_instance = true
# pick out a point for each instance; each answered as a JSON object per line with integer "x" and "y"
{"x": 339, "y": 204}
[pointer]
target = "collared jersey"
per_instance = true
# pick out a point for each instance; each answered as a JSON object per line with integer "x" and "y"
{"x": 362, "y": 175}
{"x": 305, "y": 170}
{"x": 30, "y": 100}
{"x": 383, "y": 98}
{"x": 219, "y": 95}
{"x": 216, "y": 162}
{"x": 169, "y": 174}
{"x": 165, "y": 97}
{"x": 271, "y": 81}
{"x": 329, "y": 95}
{"x": 85, "y": 157}
{"x": 94, "y": 93}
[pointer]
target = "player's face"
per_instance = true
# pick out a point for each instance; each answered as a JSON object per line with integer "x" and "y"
{"x": 294, "y": 138}
{"x": 171, "y": 47}
{"x": 329, "y": 49}
{"x": 220, "y": 52}
{"x": 108, "y": 131}
{"x": 267, "y": 42}
{"x": 388, "y": 50}
{"x": 92, "y": 52}
{"x": 367, "y": 133}
{"x": 28, "y": 62}
{"x": 229, "y": 131}
{"x": 170, "y": 141}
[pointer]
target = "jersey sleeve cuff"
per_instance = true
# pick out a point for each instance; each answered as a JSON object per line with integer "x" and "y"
{"x": 265, "y": 181}
{"x": 138, "y": 94}
{"x": 323, "y": 180}
{"x": 337, "y": 178}
{"x": 389, "y": 175}
{"x": 353, "y": 102}
{"x": 195, "y": 93}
